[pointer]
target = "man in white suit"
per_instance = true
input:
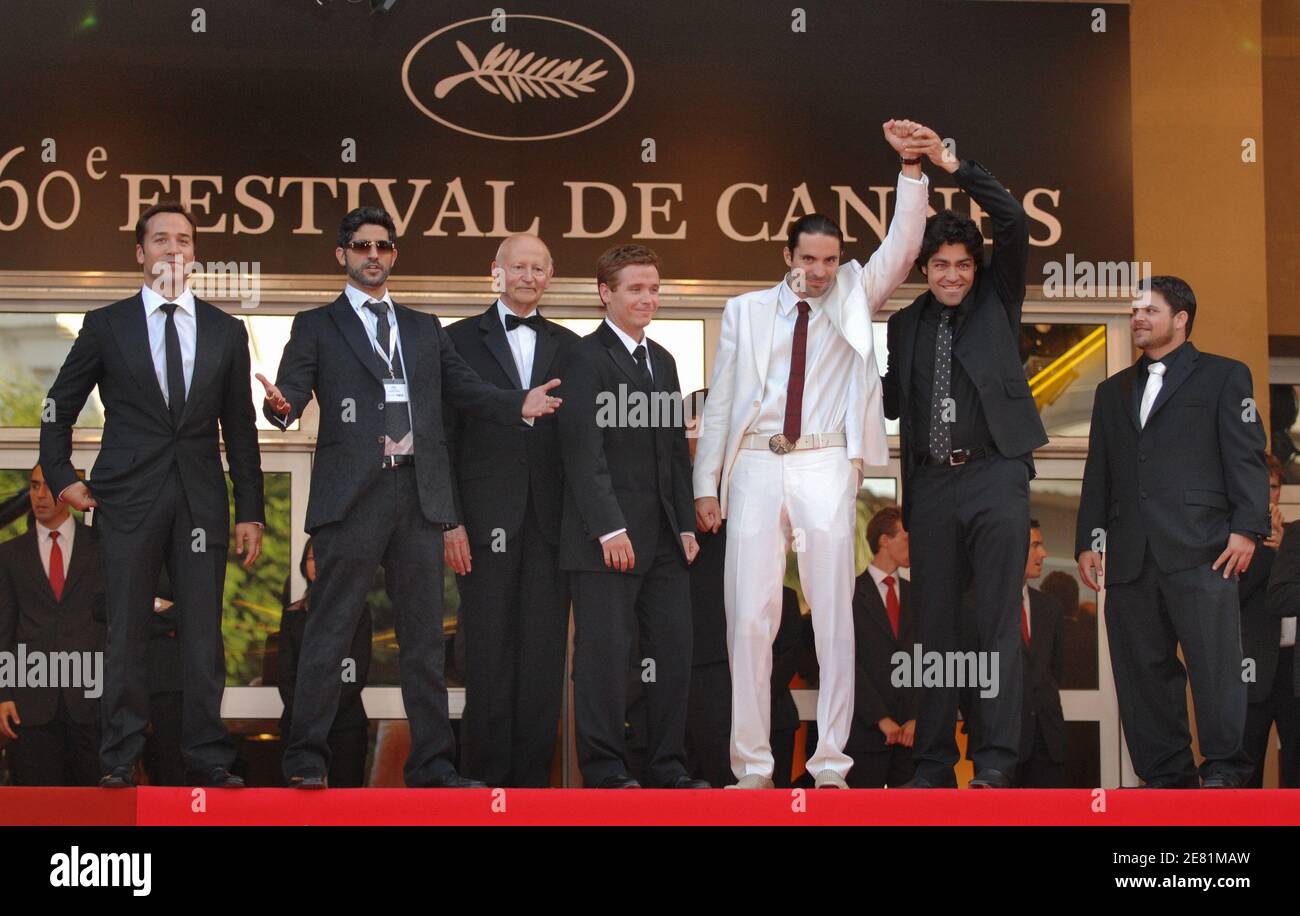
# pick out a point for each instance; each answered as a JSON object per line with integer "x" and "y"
{"x": 794, "y": 414}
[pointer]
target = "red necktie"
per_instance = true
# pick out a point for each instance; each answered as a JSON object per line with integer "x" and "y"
{"x": 794, "y": 388}
{"x": 891, "y": 604}
{"x": 56, "y": 567}
{"x": 1024, "y": 622}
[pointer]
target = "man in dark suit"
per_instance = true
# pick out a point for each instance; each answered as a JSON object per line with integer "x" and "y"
{"x": 1270, "y": 597}
{"x": 51, "y": 593}
{"x": 627, "y": 530}
{"x": 1175, "y": 495}
{"x": 884, "y": 622}
{"x": 380, "y": 490}
{"x": 169, "y": 367}
{"x": 1042, "y": 631}
{"x": 968, "y": 429}
{"x": 508, "y": 485}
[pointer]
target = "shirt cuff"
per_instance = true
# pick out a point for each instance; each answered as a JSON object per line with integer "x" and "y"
{"x": 688, "y": 534}
{"x": 612, "y": 534}
{"x": 923, "y": 180}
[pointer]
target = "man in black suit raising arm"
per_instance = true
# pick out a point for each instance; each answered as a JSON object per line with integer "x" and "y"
{"x": 380, "y": 490}
{"x": 1175, "y": 495}
{"x": 968, "y": 430}
{"x": 170, "y": 368}
{"x": 627, "y": 534}
{"x": 508, "y": 486}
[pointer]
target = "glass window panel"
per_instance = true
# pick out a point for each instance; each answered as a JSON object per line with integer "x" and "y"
{"x": 1064, "y": 364}
{"x": 254, "y": 598}
{"x": 682, "y": 337}
{"x": 1284, "y": 426}
{"x": 1055, "y": 505}
{"x": 33, "y": 346}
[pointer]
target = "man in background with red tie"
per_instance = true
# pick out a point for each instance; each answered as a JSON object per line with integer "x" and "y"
{"x": 884, "y": 623}
{"x": 51, "y": 592}
{"x": 794, "y": 414}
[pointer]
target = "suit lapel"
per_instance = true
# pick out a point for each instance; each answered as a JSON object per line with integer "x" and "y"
{"x": 131, "y": 331}
{"x": 1174, "y": 378}
{"x": 354, "y": 332}
{"x": 908, "y": 320}
{"x": 80, "y": 557}
{"x": 410, "y": 337}
{"x": 763, "y": 321}
{"x": 494, "y": 338}
{"x": 32, "y": 557}
{"x": 547, "y": 347}
{"x": 208, "y": 350}
{"x": 1126, "y": 379}
{"x": 877, "y": 610}
{"x": 621, "y": 358}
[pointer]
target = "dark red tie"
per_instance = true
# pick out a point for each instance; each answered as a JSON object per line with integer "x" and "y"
{"x": 1024, "y": 622}
{"x": 56, "y": 567}
{"x": 794, "y": 388}
{"x": 891, "y": 604}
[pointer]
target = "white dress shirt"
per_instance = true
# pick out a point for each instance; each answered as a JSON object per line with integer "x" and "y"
{"x": 67, "y": 531}
{"x": 186, "y": 330}
{"x": 1028, "y": 617}
{"x": 523, "y": 343}
{"x": 632, "y": 345}
{"x": 370, "y": 320}
{"x": 878, "y": 576}
{"x": 829, "y": 362}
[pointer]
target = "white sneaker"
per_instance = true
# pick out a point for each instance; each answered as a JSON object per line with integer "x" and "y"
{"x": 829, "y": 779}
{"x": 754, "y": 781}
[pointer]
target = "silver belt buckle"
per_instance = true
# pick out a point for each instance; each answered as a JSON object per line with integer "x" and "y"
{"x": 781, "y": 444}
{"x": 958, "y": 456}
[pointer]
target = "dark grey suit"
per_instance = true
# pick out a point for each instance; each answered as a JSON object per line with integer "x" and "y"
{"x": 363, "y": 516}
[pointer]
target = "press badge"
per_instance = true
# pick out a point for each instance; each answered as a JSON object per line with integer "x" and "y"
{"x": 395, "y": 391}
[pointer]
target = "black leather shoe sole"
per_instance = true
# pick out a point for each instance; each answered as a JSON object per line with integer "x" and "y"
{"x": 307, "y": 782}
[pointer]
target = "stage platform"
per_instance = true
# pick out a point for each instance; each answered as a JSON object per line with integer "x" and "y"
{"x": 148, "y": 806}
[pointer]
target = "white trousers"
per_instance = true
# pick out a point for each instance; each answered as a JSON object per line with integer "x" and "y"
{"x": 806, "y": 499}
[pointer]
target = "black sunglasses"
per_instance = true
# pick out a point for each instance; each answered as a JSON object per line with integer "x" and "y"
{"x": 382, "y": 245}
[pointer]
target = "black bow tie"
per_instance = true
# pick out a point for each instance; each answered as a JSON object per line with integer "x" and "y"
{"x": 533, "y": 321}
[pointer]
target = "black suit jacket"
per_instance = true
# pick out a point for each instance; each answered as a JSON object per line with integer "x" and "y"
{"x": 875, "y": 696}
{"x": 1044, "y": 666}
{"x": 140, "y": 443}
{"x": 619, "y": 475}
{"x": 495, "y": 467}
{"x": 1284, "y": 592}
{"x": 987, "y": 344}
{"x": 29, "y": 614}
{"x": 1261, "y": 630}
{"x": 329, "y": 354}
{"x": 1180, "y": 485}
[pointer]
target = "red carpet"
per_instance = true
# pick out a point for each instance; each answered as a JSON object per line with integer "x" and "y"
{"x": 531, "y": 807}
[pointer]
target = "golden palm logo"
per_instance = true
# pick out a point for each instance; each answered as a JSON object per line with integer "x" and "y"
{"x": 504, "y": 72}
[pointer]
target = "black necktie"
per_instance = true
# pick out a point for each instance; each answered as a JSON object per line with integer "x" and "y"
{"x": 642, "y": 361}
{"x": 175, "y": 368}
{"x": 397, "y": 418}
{"x": 940, "y": 427}
{"x": 533, "y": 321}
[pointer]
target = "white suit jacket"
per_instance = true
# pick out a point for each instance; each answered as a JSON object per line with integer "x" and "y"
{"x": 741, "y": 363}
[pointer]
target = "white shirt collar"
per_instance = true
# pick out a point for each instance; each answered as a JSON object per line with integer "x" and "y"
{"x": 878, "y": 574}
{"x": 153, "y": 300}
{"x": 358, "y": 298}
{"x": 1024, "y": 595}
{"x": 628, "y": 341}
{"x": 503, "y": 310}
{"x": 786, "y": 300}
{"x": 66, "y": 531}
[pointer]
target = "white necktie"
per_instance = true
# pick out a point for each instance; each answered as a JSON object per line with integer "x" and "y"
{"x": 1155, "y": 380}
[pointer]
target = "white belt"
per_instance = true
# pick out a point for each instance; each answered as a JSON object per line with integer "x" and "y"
{"x": 812, "y": 440}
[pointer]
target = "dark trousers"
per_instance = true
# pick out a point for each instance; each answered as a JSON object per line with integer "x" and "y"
{"x": 62, "y": 752}
{"x": 163, "y": 761}
{"x": 607, "y": 609}
{"x": 708, "y": 724}
{"x": 196, "y": 564}
{"x": 348, "y": 749}
{"x": 1147, "y": 620}
{"x": 969, "y": 527}
{"x": 386, "y": 529}
{"x": 1283, "y": 707}
{"x": 514, "y": 618}
{"x": 889, "y": 766}
{"x": 1037, "y": 770}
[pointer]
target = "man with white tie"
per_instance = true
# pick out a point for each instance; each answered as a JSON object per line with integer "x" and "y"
{"x": 794, "y": 414}
{"x": 1175, "y": 495}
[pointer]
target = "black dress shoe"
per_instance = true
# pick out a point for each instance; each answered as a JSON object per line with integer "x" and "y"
{"x": 687, "y": 782}
{"x": 990, "y": 778}
{"x": 1221, "y": 781}
{"x": 120, "y": 778}
{"x": 221, "y": 778}
{"x": 920, "y": 782}
{"x": 307, "y": 781}
{"x": 622, "y": 781}
{"x": 1170, "y": 782}
{"x": 454, "y": 781}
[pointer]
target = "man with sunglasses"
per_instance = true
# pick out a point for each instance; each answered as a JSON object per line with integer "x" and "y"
{"x": 380, "y": 490}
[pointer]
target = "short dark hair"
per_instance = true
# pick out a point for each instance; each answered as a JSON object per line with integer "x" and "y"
{"x": 813, "y": 224}
{"x": 885, "y": 522}
{"x": 950, "y": 227}
{"x": 1033, "y": 523}
{"x": 1177, "y": 293}
{"x": 165, "y": 206}
{"x": 365, "y": 216}
{"x": 615, "y": 259}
